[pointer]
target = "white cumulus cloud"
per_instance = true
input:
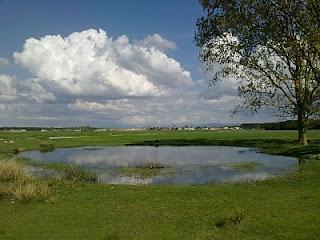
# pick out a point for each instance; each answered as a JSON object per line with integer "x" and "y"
{"x": 89, "y": 78}
{"x": 7, "y": 91}
{"x": 14, "y": 90}
{"x": 119, "y": 105}
{"x": 157, "y": 41}
{"x": 89, "y": 63}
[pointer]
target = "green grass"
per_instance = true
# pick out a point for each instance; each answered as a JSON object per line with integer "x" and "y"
{"x": 251, "y": 138}
{"x": 234, "y": 217}
{"x": 287, "y": 209}
{"x": 284, "y": 208}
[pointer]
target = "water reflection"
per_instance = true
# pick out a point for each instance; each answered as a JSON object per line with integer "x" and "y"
{"x": 189, "y": 164}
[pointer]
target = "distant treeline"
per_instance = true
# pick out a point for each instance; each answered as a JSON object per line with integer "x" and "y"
{"x": 286, "y": 125}
{"x": 82, "y": 128}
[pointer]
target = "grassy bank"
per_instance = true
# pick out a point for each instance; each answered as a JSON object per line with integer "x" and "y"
{"x": 283, "y": 208}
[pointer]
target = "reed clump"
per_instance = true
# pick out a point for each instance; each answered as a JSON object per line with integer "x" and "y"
{"x": 17, "y": 185}
{"x": 77, "y": 173}
{"x": 11, "y": 171}
{"x": 26, "y": 192}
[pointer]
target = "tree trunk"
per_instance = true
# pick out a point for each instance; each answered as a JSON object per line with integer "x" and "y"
{"x": 302, "y": 122}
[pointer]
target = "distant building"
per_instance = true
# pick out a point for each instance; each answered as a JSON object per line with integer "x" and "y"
{"x": 17, "y": 130}
{"x": 100, "y": 130}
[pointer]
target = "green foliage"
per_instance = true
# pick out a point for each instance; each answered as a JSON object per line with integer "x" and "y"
{"x": 271, "y": 47}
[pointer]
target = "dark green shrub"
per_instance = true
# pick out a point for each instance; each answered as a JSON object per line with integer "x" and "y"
{"x": 46, "y": 147}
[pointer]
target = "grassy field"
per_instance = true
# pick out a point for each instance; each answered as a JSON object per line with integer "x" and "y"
{"x": 271, "y": 141}
{"x": 282, "y": 208}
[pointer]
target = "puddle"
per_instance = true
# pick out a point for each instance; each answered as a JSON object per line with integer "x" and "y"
{"x": 186, "y": 164}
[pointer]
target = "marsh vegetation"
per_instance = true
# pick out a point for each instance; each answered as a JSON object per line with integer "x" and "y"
{"x": 16, "y": 184}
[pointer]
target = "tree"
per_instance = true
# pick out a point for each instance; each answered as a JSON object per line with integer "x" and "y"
{"x": 271, "y": 47}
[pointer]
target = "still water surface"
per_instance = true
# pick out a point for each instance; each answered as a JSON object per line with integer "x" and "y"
{"x": 186, "y": 165}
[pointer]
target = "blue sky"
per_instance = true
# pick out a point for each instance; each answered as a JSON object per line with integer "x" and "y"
{"x": 107, "y": 64}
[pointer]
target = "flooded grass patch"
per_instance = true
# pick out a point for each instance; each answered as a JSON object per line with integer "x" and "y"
{"x": 151, "y": 165}
{"x": 144, "y": 170}
{"x": 68, "y": 172}
{"x": 140, "y": 172}
{"x": 246, "y": 166}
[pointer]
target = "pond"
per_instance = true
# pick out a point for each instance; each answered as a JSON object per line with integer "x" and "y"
{"x": 171, "y": 165}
